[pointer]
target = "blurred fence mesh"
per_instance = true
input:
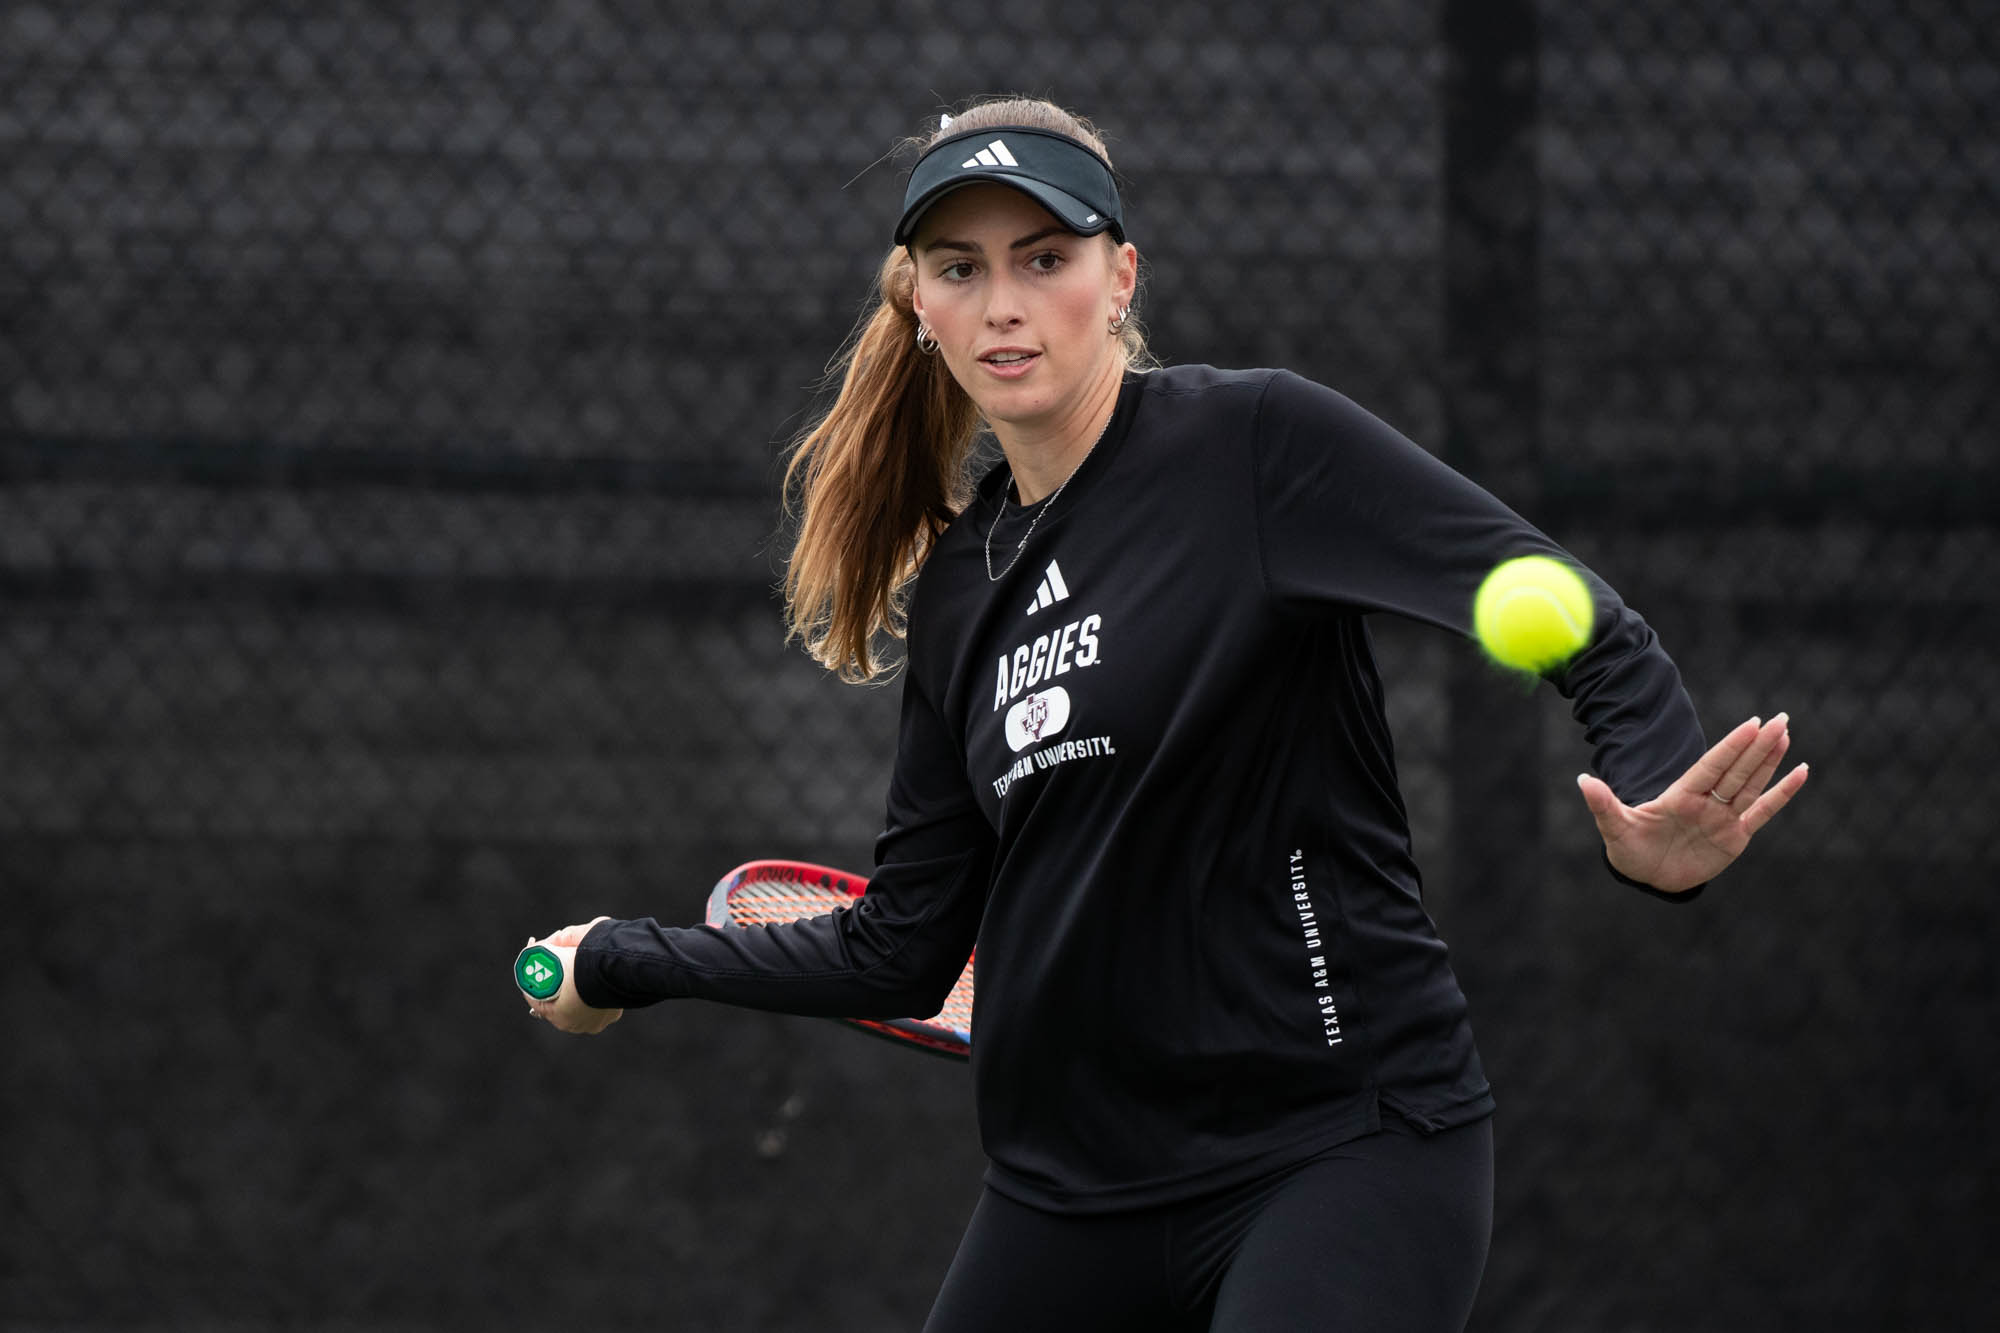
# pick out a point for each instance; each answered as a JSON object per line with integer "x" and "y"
{"x": 391, "y": 409}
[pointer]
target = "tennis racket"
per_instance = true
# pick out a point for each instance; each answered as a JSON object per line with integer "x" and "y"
{"x": 768, "y": 893}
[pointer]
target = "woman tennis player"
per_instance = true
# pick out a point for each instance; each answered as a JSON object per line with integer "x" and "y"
{"x": 1224, "y": 1074}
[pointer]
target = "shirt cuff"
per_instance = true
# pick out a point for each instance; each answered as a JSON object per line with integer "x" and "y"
{"x": 591, "y": 986}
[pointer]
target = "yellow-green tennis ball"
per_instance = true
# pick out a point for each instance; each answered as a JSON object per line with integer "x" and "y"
{"x": 1532, "y": 613}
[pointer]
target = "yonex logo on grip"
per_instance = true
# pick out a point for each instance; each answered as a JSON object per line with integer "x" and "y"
{"x": 538, "y": 972}
{"x": 994, "y": 154}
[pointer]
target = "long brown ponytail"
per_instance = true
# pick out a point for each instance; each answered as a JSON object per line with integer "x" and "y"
{"x": 883, "y": 472}
{"x": 879, "y": 478}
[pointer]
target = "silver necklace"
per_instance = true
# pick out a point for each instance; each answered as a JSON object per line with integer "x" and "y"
{"x": 1046, "y": 505}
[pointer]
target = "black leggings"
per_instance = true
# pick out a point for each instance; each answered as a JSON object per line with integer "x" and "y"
{"x": 1388, "y": 1232}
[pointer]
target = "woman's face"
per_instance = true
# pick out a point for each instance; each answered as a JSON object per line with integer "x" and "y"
{"x": 1020, "y": 305}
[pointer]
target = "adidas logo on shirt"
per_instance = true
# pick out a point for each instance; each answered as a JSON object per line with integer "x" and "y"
{"x": 1053, "y": 590}
{"x": 994, "y": 154}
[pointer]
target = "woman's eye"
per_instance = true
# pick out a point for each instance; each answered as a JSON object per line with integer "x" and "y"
{"x": 1046, "y": 262}
{"x": 958, "y": 272}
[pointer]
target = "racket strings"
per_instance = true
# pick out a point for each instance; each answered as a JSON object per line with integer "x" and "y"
{"x": 957, "y": 1011}
{"x": 774, "y": 900}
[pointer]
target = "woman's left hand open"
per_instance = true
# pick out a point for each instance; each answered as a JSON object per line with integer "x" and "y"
{"x": 1688, "y": 834}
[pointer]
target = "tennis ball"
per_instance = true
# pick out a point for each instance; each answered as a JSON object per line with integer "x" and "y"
{"x": 1532, "y": 613}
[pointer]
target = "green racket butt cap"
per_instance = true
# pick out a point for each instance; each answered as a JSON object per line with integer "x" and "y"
{"x": 538, "y": 972}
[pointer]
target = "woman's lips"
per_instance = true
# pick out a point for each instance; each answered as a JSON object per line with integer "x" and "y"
{"x": 1009, "y": 363}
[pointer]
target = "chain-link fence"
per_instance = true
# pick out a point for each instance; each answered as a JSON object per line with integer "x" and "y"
{"x": 391, "y": 409}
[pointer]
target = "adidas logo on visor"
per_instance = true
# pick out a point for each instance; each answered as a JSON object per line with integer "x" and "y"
{"x": 994, "y": 154}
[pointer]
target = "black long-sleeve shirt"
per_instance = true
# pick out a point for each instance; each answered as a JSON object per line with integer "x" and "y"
{"x": 1148, "y": 771}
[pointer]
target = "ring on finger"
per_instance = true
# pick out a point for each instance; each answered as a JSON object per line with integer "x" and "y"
{"x": 1714, "y": 795}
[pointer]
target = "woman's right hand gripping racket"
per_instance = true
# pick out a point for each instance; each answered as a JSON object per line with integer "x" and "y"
{"x": 766, "y": 893}
{"x": 544, "y": 970}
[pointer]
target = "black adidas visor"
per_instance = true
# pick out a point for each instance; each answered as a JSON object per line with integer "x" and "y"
{"x": 1056, "y": 172}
